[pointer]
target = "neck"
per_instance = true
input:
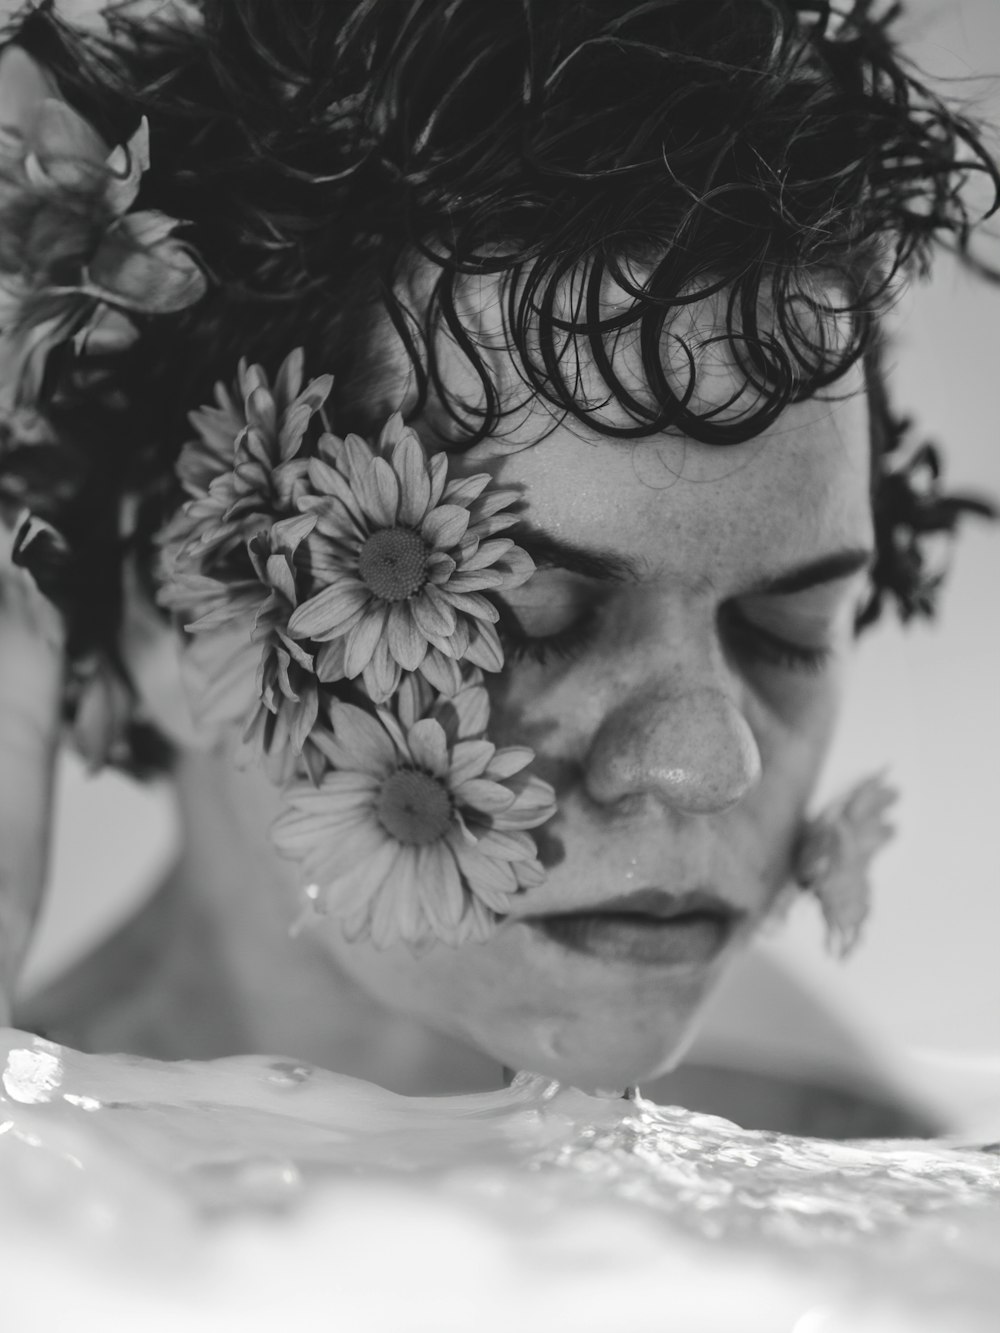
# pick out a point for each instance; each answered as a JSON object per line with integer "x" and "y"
{"x": 235, "y": 902}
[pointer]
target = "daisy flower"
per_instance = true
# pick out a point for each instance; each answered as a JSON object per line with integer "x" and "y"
{"x": 420, "y": 832}
{"x": 402, "y": 557}
{"x": 243, "y": 469}
{"x": 75, "y": 264}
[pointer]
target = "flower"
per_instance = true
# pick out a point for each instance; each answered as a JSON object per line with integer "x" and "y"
{"x": 240, "y": 629}
{"x": 75, "y": 264}
{"x": 401, "y": 556}
{"x": 419, "y": 833}
{"x": 834, "y": 855}
{"x": 243, "y": 470}
{"x": 319, "y": 575}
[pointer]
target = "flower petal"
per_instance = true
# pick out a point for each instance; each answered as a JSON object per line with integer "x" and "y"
{"x": 304, "y": 719}
{"x": 470, "y": 604}
{"x": 363, "y": 638}
{"x": 24, "y": 86}
{"x": 443, "y": 673}
{"x": 126, "y": 166}
{"x": 441, "y": 889}
{"x": 445, "y": 526}
{"x": 475, "y": 580}
{"x": 484, "y": 649}
{"x": 381, "y": 675}
{"x": 493, "y": 501}
{"x": 535, "y": 804}
{"x": 428, "y": 747}
{"x": 437, "y": 471}
{"x": 288, "y": 380}
{"x": 328, "y": 613}
{"x": 488, "y": 553}
{"x": 406, "y": 643}
{"x": 494, "y": 882}
{"x": 472, "y": 709}
{"x": 490, "y": 798}
{"x": 469, "y": 760}
{"x": 365, "y": 739}
{"x": 410, "y": 467}
{"x": 353, "y": 456}
{"x": 330, "y": 662}
{"x": 67, "y": 147}
{"x": 409, "y": 910}
{"x": 508, "y": 845}
{"x": 377, "y": 492}
{"x": 108, "y": 331}
{"x": 433, "y": 616}
{"x": 463, "y": 490}
{"x": 157, "y": 278}
{"x": 508, "y": 761}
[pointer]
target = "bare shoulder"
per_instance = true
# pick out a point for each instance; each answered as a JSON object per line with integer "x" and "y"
{"x": 149, "y": 989}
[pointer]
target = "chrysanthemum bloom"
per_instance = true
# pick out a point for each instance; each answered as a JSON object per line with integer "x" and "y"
{"x": 834, "y": 856}
{"x": 74, "y": 263}
{"x": 240, "y": 634}
{"x": 243, "y": 470}
{"x": 401, "y": 557}
{"x": 419, "y": 833}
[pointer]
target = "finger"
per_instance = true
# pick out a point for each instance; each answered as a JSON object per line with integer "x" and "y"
{"x": 31, "y": 685}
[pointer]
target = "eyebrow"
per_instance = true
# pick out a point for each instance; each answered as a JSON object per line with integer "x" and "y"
{"x": 825, "y": 569}
{"x": 551, "y": 552}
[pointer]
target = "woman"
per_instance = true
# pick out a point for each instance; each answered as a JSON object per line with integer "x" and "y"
{"x": 524, "y": 761}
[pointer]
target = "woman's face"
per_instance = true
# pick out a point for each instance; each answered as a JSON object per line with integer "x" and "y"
{"x": 675, "y": 663}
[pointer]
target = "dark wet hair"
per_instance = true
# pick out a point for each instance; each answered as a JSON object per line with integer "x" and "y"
{"x": 779, "y": 155}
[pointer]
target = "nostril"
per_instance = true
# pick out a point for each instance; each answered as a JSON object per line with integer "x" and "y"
{"x": 695, "y": 752}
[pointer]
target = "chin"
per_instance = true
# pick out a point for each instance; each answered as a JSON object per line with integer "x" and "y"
{"x": 596, "y": 1050}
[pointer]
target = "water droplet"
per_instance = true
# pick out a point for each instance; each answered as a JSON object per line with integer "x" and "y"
{"x": 288, "y": 1074}
{"x": 32, "y": 1076}
{"x": 84, "y": 1103}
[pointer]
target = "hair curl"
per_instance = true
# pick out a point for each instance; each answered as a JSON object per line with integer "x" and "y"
{"x": 778, "y": 155}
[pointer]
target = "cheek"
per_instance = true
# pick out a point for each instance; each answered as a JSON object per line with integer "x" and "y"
{"x": 793, "y": 743}
{"x": 423, "y": 986}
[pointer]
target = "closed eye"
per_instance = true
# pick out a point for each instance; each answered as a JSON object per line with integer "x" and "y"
{"x": 752, "y": 640}
{"x": 553, "y": 616}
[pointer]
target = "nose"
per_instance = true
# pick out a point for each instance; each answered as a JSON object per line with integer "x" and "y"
{"x": 693, "y": 751}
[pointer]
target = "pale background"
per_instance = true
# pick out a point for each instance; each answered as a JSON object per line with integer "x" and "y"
{"x": 923, "y": 993}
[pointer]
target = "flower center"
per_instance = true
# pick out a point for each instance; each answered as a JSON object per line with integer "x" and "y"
{"x": 413, "y": 807}
{"x": 393, "y": 563}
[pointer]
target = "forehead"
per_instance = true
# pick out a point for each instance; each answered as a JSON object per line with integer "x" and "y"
{"x": 729, "y": 514}
{"x": 798, "y": 489}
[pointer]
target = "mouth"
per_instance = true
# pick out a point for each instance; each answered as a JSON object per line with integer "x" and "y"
{"x": 649, "y": 926}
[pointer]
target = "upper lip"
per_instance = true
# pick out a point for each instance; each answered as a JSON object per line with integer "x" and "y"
{"x": 656, "y": 903}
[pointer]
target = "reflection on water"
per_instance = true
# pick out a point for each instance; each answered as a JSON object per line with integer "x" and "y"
{"x": 116, "y": 1157}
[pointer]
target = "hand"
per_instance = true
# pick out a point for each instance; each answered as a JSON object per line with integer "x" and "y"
{"x": 32, "y": 669}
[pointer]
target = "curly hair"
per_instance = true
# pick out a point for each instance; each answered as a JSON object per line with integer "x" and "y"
{"x": 778, "y": 155}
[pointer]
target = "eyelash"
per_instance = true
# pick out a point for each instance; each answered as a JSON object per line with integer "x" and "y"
{"x": 568, "y": 643}
{"x": 775, "y": 651}
{"x": 563, "y": 646}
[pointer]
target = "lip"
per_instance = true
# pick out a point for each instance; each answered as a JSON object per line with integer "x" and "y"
{"x": 648, "y": 926}
{"x": 658, "y": 903}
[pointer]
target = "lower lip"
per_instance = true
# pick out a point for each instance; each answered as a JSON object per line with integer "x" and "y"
{"x": 696, "y": 939}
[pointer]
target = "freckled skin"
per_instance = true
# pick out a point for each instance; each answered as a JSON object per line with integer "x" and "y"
{"x": 682, "y": 745}
{"x": 680, "y": 760}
